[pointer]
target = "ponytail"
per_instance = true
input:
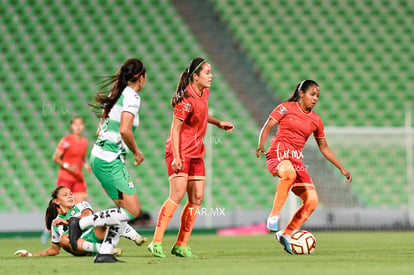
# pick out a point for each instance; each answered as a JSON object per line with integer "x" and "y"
{"x": 186, "y": 78}
{"x": 52, "y": 209}
{"x": 302, "y": 86}
{"x": 111, "y": 87}
{"x": 51, "y": 214}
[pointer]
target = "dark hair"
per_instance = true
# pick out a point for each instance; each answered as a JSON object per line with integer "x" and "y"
{"x": 186, "y": 77}
{"x": 106, "y": 98}
{"x": 76, "y": 117}
{"x": 52, "y": 209}
{"x": 302, "y": 86}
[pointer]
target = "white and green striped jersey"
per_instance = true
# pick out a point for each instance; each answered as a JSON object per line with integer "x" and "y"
{"x": 109, "y": 144}
{"x": 76, "y": 211}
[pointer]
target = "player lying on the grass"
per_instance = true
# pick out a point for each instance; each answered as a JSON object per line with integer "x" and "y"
{"x": 61, "y": 207}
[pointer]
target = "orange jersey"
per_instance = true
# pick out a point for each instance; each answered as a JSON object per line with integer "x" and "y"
{"x": 193, "y": 110}
{"x": 74, "y": 152}
{"x": 295, "y": 127}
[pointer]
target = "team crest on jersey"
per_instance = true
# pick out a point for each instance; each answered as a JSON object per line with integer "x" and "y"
{"x": 66, "y": 145}
{"x": 187, "y": 107}
{"x": 282, "y": 110}
{"x": 72, "y": 212}
{"x": 130, "y": 184}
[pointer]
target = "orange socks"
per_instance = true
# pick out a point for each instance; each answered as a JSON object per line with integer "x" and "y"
{"x": 310, "y": 201}
{"x": 188, "y": 218}
{"x": 166, "y": 212}
{"x": 287, "y": 178}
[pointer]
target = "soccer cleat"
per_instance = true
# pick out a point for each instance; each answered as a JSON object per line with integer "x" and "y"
{"x": 117, "y": 252}
{"x": 285, "y": 241}
{"x": 139, "y": 240}
{"x": 74, "y": 232}
{"x": 182, "y": 251}
{"x": 156, "y": 250}
{"x": 273, "y": 223}
{"x": 105, "y": 258}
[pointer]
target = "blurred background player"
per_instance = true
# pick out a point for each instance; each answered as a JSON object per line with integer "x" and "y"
{"x": 184, "y": 155}
{"x": 297, "y": 122}
{"x": 117, "y": 104}
{"x": 60, "y": 208}
{"x": 70, "y": 156}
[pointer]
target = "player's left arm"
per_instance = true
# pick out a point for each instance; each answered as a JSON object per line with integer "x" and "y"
{"x": 329, "y": 155}
{"x": 225, "y": 125}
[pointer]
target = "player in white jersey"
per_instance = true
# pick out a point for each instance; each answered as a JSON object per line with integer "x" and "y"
{"x": 117, "y": 104}
{"x": 61, "y": 207}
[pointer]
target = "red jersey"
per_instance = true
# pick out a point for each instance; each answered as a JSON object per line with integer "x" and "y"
{"x": 193, "y": 110}
{"x": 295, "y": 126}
{"x": 74, "y": 152}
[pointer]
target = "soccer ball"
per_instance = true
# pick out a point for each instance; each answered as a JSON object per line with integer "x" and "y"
{"x": 303, "y": 242}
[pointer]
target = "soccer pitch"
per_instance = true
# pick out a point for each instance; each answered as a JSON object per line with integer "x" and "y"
{"x": 335, "y": 253}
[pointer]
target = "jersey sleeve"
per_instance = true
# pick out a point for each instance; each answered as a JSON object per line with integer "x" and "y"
{"x": 279, "y": 112}
{"x": 183, "y": 109}
{"x": 83, "y": 205}
{"x": 63, "y": 145}
{"x": 56, "y": 232}
{"x": 319, "y": 132}
{"x": 131, "y": 104}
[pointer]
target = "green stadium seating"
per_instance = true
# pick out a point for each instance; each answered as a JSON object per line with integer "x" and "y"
{"x": 49, "y": 58}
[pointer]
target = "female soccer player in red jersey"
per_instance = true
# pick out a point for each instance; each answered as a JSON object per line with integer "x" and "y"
{"x": 297, "y": 122}
{"x": 70, "y": 156}
{"x": 184, "y": 154}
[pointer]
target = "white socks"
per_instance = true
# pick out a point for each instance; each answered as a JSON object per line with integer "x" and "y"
{"x": 108, "y": 217}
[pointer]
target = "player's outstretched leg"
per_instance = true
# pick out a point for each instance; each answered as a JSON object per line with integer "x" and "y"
{"x": 284, "y": 239}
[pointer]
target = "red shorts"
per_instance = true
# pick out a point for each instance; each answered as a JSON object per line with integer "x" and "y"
{"x": 74, "y": 186}
{"x": 273, "y": 159}
{"x": 193, "y": 168}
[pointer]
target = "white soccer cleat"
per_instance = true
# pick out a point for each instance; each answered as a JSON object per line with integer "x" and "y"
{"x": 117, "y": 252}
{"x": 284, "y": 240}
{"x": 273, "y": 223}
{"x": 139, "y": 240}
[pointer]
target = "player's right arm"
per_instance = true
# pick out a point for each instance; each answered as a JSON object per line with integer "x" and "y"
{"x": 175, "y": 143}
{"x": 57, "y": 158}
{"x": 264, "y": 133}
{"x": 51, "y": 251}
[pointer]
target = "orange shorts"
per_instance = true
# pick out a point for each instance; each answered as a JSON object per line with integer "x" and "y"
{"x": 74, "y": 186}
{"x": 302, "y": 176}
{"x": 193, "y": 168}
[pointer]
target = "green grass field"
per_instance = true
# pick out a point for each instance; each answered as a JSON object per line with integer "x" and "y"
{"x": 336, "y": 253}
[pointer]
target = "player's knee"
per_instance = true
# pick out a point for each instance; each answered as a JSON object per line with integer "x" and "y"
{"x": 135, "y": 211}
{"x": 197, "y": 199}
{"x": 288, "y": 175}
{"x": 312, "y": 202}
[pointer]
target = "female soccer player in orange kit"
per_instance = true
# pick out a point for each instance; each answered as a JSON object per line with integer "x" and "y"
{"x": 297, "y": 122}
{"x": 184, "y": 155}
{"x": 70, "y": 156}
